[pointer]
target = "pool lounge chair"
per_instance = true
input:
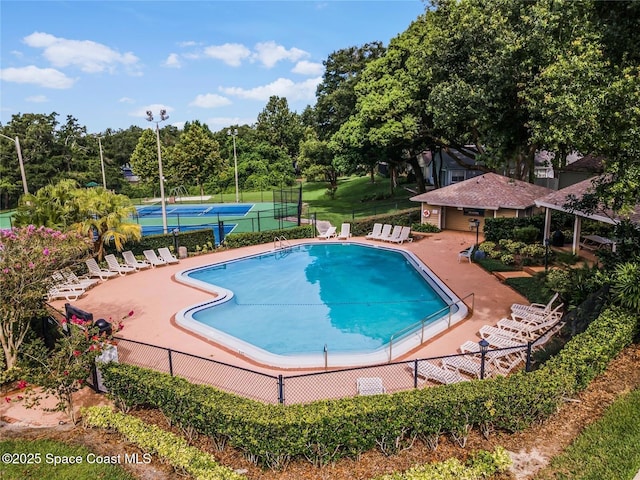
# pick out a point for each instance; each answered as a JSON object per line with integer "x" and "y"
{"x": 67, "y": 292}
{"x": 345, "y": 231}
{"x": 165, "y": 254}
{"x": 117, "y": 267}
{"x": 370, "y": 386}
{"x": 83, "y": 281}
{"x": 467, "y": 253}
{"x": 397, "y": 230}
{"x": 488, "y": 331}
{"x": 384, "y": 233}
{"x": 540, "y": 317}
{"x": 331, "y": 232}
{"x": 469, "y": 364}
{"x": 528, "y": 330}
{"x": 534, "y": 307}
{"x": 403, "y": 237}
{"x": 502, "y": 361}
{"x": 377, "y": 230}
{"x": 96, "y": 271}
{"x": 153, "y": 258}
{"x": 430, "y": 371}
{"x": 132, "y": 261}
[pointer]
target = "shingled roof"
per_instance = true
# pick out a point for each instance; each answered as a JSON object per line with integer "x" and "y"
{"x": 557, "y": 199}
{"x": 489, "y": 191}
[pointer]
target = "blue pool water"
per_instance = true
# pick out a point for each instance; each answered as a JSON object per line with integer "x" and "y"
{"x": 350, "y": 297}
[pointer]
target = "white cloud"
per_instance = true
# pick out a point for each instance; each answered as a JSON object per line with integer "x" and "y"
{"x": 188, "y": 43}
{"x": 126, "y": 100}
{"x": 45, "y": 77}
{"x": 282, "y": 87}
{"x": 37, "y": 99}
{"x": 270, "y": 53}
{"x": 173, "y": 61}
{"x": 230, "y": 53}
{"x": 90, "y": 57}
{"x": 308, "y": 68}
{"x": 210, "y": 100}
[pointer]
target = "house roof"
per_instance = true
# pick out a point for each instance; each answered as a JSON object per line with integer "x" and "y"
{"x": 489, "y": 191}
{"x": 588, "y": 163}
{"x": 557, "y": 199}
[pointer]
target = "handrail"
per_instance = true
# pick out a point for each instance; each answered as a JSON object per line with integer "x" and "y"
{"x": 280, "y": 242}
{"x": 414, "y": 326}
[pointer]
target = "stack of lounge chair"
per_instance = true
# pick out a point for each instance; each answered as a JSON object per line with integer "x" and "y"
{"x": 390, "y": 233}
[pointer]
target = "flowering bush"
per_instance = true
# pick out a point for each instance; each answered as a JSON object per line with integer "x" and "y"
{"x": 28, "y": 257}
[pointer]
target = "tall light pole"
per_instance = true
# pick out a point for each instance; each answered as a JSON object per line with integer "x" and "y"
{"x": 104, "y": 179}
{"x": 163, "y": 117}
{"x": 234, "y": 134}
{"x": 20, "y": 162}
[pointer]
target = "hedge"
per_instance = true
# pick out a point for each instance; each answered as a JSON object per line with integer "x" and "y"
{"x": 324, "y": 431}
{"x": 237, "y": 240}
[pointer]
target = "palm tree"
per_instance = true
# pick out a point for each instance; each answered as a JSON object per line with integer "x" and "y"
{"x": 106, "y": 218}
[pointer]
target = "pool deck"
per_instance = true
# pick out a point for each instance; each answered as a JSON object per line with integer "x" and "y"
{"x": 154, "y": 297}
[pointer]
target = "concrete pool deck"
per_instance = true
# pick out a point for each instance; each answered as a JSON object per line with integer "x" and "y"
{"x": 154, "y": 297}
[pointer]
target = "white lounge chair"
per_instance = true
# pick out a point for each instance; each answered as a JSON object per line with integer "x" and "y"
{"x": 96, "y": 271}
{"x": 487, "y": 331}
{"x": 527, "y": 330}
{"x": 377, "y": 230}
{"x": 116, "y": 266}
{"x": 65, "y": 291}
{"x": 430, "y": 371}
{"x": 131, "y": 260}
{"x": 153, "y": 259}
{"x": 165, "y": 254}
{"x": 501, "y": 361}
{"x": 370, "y": 386}
{"x": 467, "y": 253}
{"x": 331, "y": 232}
{"x": 345, "y": 231}
{"x": 519, "y": 308}
{"x": 83, "y": 281}
{"x": 384, "y": 233}
{"x": 395, "y": 233}
{"x": 469, "y": 364}
{"x": 403, "y": 237}
{"x": 540, "y": 317}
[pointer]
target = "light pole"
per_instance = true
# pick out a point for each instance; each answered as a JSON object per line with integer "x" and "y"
{"x": 475, "y": 223}
{"x": 163, "y": 117}
{"x": 20, "y": 162}
{"x": 234, "y": 133}
{"x": 104, "y": 179}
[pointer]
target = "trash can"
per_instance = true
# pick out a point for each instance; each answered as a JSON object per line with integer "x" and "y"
{"x": 557, "y": 239}
{"x": 182, "y": 252}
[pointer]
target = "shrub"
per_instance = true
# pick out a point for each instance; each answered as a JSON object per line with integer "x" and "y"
{"x": 424, "y": 228}
{"x": 237, "y": 240}
{"x": 527, "y": 234}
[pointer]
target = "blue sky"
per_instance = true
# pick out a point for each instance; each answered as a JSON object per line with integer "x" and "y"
{"x": 107, "y": 62}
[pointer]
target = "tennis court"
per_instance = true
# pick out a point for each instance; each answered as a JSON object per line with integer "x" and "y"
{"x": 228, "y": 218}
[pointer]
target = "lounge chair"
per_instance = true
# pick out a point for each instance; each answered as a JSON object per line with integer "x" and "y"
{"x": 430, "y": 371}
{"x": 370, "y": 386}
{"x": 96, "y": 271}
{"x": 469, "y": 364}
{"x": 83, "y": 281}
{"x": 377, "y": 230}
{"x": 116, "y": 266}
{"x": 403, "y": 237}
{"x": 519, "y": 308}
{"x": 528, "y": 330}
{"x": 488, "y": 331}
{"x": 132, "y": 261}
{"x": 331, "y": 232}
{"x": 539, "y": 317}
{"x": 67, "y": 292}
{"x": 165, "y": 254}
{"x": 502, "y": 361}
{"x": 467, "y": 253}
{"x": 345, "y": 231}
{"x": 384, "y": 233}
{"x": 397, "y": 230}
{"x": 153, "y": 259}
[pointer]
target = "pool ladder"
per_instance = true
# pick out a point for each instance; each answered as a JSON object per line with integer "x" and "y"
{"x": 281, "y": 242}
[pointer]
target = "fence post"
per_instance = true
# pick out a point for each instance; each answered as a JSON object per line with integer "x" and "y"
{"x": 527, "y": 367}
{"x": 170, "y": 362}
{"x": 415, "y": 373}
{"x": 259, "y": 221}
{"x": 220, "y": 232}
{"x": 280, "y": 389}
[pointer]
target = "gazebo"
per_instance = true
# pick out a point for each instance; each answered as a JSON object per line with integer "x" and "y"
{"x": 557, "y": 201}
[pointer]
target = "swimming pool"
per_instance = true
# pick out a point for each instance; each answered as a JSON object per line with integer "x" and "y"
{"x": 287, "y": 307}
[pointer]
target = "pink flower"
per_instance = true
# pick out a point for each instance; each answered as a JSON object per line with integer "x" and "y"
{"x": 31, "y": 265}
{"x": 7, "y": 399}
{"x": 120, "y": 326}
{"x": 5, "y": 270}
{"x": 77, "y": 353}
{"x": 45, "y": 252}
{"x": 65, "y": 372}
{"x": 22, "y": 384}
{"x": 20, "y": 397}
{"x": 131, "y": 313}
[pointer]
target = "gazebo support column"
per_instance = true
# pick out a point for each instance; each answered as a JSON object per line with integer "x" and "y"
{"x": 577, "y": 228}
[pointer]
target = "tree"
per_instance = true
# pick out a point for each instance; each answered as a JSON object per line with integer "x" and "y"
{"x": 195, "y": 157}
{"x": 29, "y": 256}
{"x": 279, "y": 126}
{"x": 144, "y": 159}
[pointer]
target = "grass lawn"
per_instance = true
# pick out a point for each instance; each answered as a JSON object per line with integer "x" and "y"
{"x": 605, "y": 450}
{"x": 43, "y": 453}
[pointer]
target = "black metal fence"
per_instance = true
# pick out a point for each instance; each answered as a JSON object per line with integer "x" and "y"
{"x": 333, "y": 384}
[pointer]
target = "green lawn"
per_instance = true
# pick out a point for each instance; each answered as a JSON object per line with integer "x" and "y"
{"x": 606, "y": 450}
{"x": 35, "y": 459}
